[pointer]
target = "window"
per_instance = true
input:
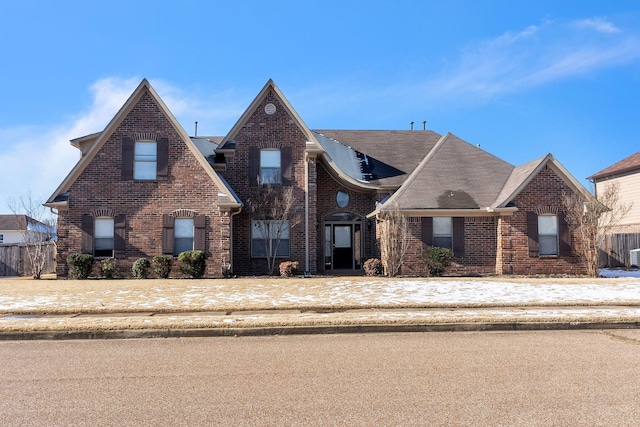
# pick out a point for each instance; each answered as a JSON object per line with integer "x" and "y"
{"x": 342, "y": 199}
{"x": 443, "y": 232}
{"x": 271, "y": 236}
{"x": 548, "y": 234}
{"x": 1, "y": 238}
{"x": 103, "y": 237}
{"x": 145, "y": 160}
{"x": 270, "y": 172}
{"x": 183, "y": 233}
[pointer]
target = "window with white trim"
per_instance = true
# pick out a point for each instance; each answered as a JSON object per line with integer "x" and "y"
{"x": 145, "y": 160}
{"x": 1, "y": 238}
{"x": 103, "y": 232}
{"x": 548, "y": 234}
{"x": 269, "y": 236}
{"x": 183, "y": 235}
{"x": 443, "y": 232}
{"x": 270, "y": 167}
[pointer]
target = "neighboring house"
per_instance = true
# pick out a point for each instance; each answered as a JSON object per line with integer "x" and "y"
{"x": 143, "y": 187}
{"x": 13, "y": 228}
{"x": 626, "y": 174}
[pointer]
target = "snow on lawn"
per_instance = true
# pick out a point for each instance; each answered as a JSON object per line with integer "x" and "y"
{"x": 333, "y": 292}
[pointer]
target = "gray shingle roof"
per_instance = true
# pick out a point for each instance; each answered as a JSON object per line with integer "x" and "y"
{"x": 455, "y": 175}
{"x": 383, "y": 157}
{"x": 10, "y": 222}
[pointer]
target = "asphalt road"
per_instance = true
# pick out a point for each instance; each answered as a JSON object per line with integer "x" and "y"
{"x": 481, "y": 378}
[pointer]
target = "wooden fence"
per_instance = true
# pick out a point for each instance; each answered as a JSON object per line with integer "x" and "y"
{"x": 617, "y": 249}
{"x": 14, "y": 260}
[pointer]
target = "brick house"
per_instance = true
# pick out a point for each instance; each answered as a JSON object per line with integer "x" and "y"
{"x": 144, "y": 187}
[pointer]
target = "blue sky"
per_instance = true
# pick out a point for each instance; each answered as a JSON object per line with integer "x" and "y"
{"x": 520, "y": 78}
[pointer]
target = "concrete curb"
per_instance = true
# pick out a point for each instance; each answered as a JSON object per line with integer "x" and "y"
{"x": 311, "y": 330}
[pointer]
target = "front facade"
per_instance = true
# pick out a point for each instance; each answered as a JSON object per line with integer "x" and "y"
{"x": 143, "y": 187}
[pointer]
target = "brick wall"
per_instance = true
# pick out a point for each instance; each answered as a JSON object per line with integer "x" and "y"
{"x": 262, "y": 130}
{"x": 480, "y": 249}
{"x": 187, "y": 186}
{"x": 543, "y": 192}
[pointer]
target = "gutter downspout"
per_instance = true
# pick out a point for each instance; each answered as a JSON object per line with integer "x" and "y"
{"x": 307, "y": 273}
{"x": 231, "y": 237}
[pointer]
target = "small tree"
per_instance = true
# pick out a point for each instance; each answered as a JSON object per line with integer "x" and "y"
{"x": 592, "y": 220}
{"x": 37, "y": 231}
{"x": 393, "y": 240}
{"x": 274, "y": 216}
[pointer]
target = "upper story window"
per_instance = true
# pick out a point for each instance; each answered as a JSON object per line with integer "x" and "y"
{"x": 183, "y": 233}
{"x": 103, "y": 237}
{"x": 443, "y": 232}
{"x": 270, "y": 167}
{"x": 548, "y": 234}
{"x": 145, "y": 160}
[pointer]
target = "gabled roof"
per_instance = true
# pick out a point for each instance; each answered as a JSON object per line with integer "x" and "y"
{"x": 227, "y": 197}
{"x": 625, "y": 165}
{"x": 455, "y": 175}
{"x": 522, "y": 175}
{"x": 379, "y": 157}
{"x": 228, "y": 143}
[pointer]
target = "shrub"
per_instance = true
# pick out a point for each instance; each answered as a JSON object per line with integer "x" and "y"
{"x": 162, "y": 265}
{"x": 288, "y": 268}
{"x": 80, "y": 265}
{"x": 108, "y": 267}
{"x": 437, "y": 259}
{"x": 140, "y": 268}
{"x": 373, "y": 267}
{"x": 192, "y": 263}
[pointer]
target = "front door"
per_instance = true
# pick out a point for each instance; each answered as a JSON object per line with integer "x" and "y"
{"x": 342, "y": 246}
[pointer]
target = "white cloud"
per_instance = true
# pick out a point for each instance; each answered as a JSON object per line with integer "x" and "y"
{"x": 535, "y": 56}
{"x": 598, "y": 24}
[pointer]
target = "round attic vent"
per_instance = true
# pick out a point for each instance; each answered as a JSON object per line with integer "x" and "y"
{"x": 269, "y": 108}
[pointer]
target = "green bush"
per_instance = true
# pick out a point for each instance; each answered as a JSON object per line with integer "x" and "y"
{"x": 108, "y": 267}
{"x": 437, "y": 259}
{"x": 80, "y": 265}
{"x": 373, "y": 267}
{"x": 162, "y": 265}
{"x": 140, "y": 268}
{"x": 288, "y": 268}
{"x": 192, "y": 263}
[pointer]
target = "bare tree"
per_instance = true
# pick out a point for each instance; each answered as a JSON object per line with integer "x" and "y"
{"x": 593, "y": 220}
{"x": 37, "y": 230}
{"x": 273, "y": 217}
{"x": 393, "y": 240}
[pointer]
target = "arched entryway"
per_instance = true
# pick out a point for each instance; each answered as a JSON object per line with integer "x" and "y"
{"x": 343, "y": 242}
